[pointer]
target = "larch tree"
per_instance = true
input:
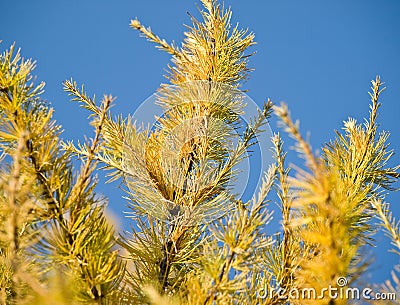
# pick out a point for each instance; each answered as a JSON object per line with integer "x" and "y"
{"x": 193, "y": 239}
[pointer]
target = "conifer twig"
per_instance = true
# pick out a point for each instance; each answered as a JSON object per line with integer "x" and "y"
{"x": 162, "y": 44}
{"x": 388, "y": 222}
{"x": 286, "y": 207}
{"x": 293, "y": 129}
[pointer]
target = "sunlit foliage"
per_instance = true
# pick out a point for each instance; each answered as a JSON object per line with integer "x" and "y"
{"x": 193, "y": 240}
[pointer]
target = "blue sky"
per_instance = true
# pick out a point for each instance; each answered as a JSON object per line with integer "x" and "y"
{"x": 317, "y": 56}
